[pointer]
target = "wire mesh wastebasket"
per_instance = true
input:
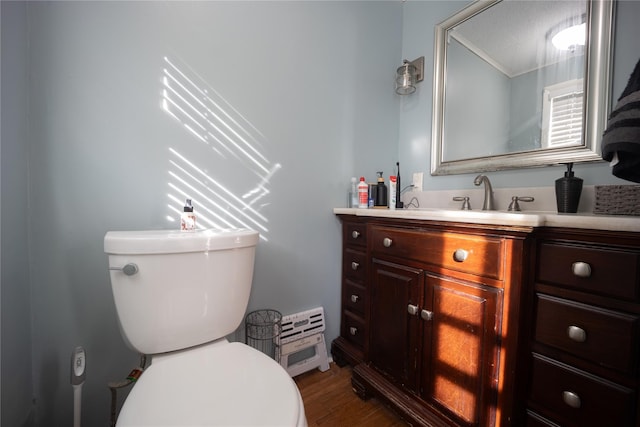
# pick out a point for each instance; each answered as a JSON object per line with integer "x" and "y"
{"x": 262, "y": 331}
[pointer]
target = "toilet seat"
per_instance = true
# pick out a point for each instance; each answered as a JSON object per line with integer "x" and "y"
{"x": 217, "y": 384}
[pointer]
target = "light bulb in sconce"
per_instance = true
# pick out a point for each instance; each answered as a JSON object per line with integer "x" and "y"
{"x": 408, "y": 74}
{"x": 405, "y": 76}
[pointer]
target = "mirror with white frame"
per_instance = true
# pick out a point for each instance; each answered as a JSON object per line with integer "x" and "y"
{"x": 510, "y": 93}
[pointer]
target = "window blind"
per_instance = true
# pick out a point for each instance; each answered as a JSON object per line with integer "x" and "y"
{"x": 562, "y": 110}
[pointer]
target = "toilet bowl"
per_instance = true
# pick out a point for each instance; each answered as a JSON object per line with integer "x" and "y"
{"x": 217, "y": 384}
{"x": 178, "y": 295}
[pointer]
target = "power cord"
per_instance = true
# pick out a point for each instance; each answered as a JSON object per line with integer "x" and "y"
{"x": 114, "y": 386}
{"x": 414, "y": 200}
{"x": 414, "y": 203}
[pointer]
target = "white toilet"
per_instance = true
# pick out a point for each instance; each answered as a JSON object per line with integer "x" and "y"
{"x": 177, "y": 296}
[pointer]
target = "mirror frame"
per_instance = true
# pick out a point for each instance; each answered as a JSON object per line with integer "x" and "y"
{"x": 598, "y": 54}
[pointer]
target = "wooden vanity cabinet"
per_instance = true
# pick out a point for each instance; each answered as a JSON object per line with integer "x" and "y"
{"x": 459, "y": 325}
{"x": 394, "y": 344}
{"x": 437, "y": 338}
{"x": 585, "y": 336}
{"x": 350, "y": 346}
{"x": 442, "y": 320}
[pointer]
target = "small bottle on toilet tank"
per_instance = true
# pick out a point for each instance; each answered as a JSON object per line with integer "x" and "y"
{"x": 188, "y": 218}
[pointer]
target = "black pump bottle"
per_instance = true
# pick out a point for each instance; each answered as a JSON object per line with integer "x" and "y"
{"x": 568, "y": 191}
{"x": 382, "y": 191}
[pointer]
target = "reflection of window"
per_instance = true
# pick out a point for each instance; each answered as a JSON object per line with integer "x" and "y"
{"x": 562, "y": 114}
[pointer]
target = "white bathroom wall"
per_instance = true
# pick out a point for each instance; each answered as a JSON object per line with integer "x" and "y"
{"x": 419, "y": 19}
{"x": 303, "y": 99}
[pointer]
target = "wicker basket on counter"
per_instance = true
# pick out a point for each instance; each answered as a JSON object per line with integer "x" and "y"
{"x": 617, "y": 200}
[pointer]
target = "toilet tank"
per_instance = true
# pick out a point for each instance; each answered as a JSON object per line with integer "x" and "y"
{"x": 179, "y": 289}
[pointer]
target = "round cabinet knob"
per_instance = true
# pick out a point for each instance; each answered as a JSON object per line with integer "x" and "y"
{"x": 354, "y": 298}
{"x": 355, "y": 234}
{"x": 576, "y": 333}
{"x": 571, "y": 399}
{"x": 460, "y": 255}
{"x": 581, "y": 269}
{"x": 353, "y": 330}
{"x": 386, "y": 242}
{"x": 354, "y": 265}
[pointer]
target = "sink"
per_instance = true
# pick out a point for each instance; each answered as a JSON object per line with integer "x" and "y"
{"x": 522, "y": 218}
{"x": 507, "y": 218}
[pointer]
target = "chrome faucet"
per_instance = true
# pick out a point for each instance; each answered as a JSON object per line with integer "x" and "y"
{"x": 488, "y": 191}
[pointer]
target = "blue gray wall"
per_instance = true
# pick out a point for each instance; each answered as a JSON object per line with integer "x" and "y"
{"x": 89, "y": 145}
{"x": 301, "y": 89}
{"x": 478, "y": 103}
{"x": 16, "y": 372}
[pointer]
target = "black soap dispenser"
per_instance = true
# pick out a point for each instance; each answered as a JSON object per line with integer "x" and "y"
{"x": 381, "y": 198}
{"x": 568, "y": 190}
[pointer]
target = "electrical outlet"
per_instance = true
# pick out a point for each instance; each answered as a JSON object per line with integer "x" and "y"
{"x": 417, "y": 181}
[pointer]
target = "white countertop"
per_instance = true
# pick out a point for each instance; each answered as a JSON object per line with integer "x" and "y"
{"x": 524, "y": 218}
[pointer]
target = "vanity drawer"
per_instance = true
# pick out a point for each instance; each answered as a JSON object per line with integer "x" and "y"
{"x": 354, "y": 264}
{"x": 575, "y": 398}
{"x": 355, "y": 234}
{"x": 604, "y": 337}
{"x": 477, "y": 255}
{"x": 355, "y": 297}
{"x": 535, "y": 420}
{"x": 606, "y": 271}
{"x": 353, "y": 329}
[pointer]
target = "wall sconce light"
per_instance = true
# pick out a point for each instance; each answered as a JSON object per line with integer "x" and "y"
{"x": 408, "y": 75}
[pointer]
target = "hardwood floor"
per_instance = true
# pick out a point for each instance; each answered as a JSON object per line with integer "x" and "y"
{"x": 329, "y": 401}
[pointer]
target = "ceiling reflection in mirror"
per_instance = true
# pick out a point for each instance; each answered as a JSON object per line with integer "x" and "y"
{"x": 511, "y": 79}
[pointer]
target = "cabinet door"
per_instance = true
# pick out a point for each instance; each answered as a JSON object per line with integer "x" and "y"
{"x": 461, "y": 348}
{"x": 394, "y": 334}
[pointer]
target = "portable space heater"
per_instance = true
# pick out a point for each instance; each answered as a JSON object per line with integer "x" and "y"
{"x": 302, "y": 331}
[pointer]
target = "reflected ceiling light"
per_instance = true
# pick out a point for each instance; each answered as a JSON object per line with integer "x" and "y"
{"x": 570, "y": 38}
{"x": 408, "y": 75}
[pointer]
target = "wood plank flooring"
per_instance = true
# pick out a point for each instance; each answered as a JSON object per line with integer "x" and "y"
{"x": 329, "y": 401}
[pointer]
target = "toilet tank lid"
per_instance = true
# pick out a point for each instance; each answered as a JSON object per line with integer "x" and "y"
{"x": 175, "y": 241}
